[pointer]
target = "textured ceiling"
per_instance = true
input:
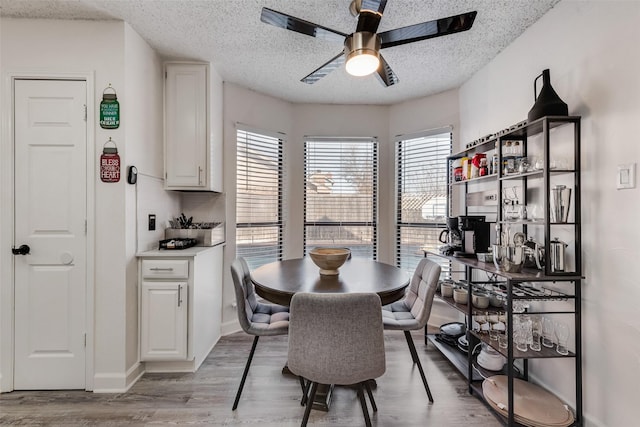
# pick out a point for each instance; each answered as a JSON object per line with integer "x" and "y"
{"x": 245, "y": 51}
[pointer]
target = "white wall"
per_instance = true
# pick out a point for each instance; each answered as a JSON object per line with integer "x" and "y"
{"x": 261, "y": 112}
{"x": 411, "y": 117}
{"x": 591, "y": 49}
{"x": 143, "y": 115}
{"x": 104, "y": 50}
{"x": 67, "y": 47}
{"x": 295, "y": 120}
{"x": 339, "y": 120}
{"x": 298, "y": 120}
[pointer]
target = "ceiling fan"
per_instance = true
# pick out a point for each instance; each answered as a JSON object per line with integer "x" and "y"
{"x": 362, "y": 48}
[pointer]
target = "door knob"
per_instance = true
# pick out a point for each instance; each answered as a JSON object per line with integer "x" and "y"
{"x": 22, "y": 250}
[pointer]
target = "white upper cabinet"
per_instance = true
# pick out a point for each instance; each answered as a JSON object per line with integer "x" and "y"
{"x": 193, "y": 127}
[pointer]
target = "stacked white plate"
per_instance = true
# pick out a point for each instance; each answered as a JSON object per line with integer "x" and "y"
{"x": 533, "y": 405}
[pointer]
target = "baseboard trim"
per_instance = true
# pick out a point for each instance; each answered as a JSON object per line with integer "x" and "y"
{"x": 118, "y": 383}
{"x": 168, "y": 367}
{"x": 229, "y": 328}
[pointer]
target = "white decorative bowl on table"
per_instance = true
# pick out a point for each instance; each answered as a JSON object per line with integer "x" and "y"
{"x": 329, "y": 259}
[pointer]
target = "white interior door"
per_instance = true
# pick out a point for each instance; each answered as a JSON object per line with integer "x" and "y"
{"x": 50, "y": 217}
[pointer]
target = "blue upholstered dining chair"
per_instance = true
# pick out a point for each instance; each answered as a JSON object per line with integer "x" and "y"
{"x": 336, "y": 339}
{"x": 412, "y": 312}
{"x": 256, "y": 318}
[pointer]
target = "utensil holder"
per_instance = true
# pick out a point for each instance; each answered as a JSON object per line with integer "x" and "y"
{"x": 560, "y": 203}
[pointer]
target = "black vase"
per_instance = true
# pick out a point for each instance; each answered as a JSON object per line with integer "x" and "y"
{"x": 547, "y": 103}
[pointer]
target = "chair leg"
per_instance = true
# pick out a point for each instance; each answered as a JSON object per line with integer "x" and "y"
{"x": 416, "y": 360}
{"x": 305, "y": 391}
{"x": 246, "y": 371}
{"x": 363, "y": 403}
{"x": 373, "y": 402}
{"x": 307, "y": 411}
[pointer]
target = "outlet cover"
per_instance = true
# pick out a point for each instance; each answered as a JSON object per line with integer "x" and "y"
{"x": 152, "y": 222}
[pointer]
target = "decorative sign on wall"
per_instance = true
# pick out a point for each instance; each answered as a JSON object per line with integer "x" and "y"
{"x": 109, "y": 109}
{"x": 110, "y": 163}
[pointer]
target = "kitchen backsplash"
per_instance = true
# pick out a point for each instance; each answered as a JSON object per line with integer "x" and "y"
{"x": 152, "y": 198}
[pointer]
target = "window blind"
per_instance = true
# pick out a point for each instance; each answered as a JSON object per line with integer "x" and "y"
{"x": 340, "y": 195}
{"x": 422, "y": 199}
{"x": 259, "y": 196}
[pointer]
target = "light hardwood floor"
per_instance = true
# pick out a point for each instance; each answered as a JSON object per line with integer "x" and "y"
{"x": 269, "y": 398}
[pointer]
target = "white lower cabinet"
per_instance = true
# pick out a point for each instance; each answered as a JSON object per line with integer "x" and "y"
{"x": 163, "y": 321}
{"x": 180, "y": 307}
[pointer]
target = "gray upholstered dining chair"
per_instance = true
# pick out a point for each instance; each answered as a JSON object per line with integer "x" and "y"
{"x": 412, "y": 312}
{"x": 336, "y": 339}
{"x": 256, "y": 318}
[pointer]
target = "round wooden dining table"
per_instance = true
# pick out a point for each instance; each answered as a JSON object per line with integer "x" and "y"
{"x": 279, "y": 281}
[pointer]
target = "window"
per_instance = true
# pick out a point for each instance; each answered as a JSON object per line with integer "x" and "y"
{"x": 340, "y": 195}
{"x": 259, "y": 197}
{"x": 422, "y": 195}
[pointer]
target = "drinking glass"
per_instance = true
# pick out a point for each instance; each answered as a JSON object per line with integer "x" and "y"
{"x": 479, "y": 321}
{"x": 493, "y": 322}
{"x": 562, "y": 333}
{"x": 547, "y": 332}
{"x": 502, "y": 340}
{"x": 536, "y": 333}
{"x": 520, "y": 338}
{"x": 521, "y": 332}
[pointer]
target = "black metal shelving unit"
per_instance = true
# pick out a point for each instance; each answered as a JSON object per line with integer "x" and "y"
{"x": 553, "y": 286}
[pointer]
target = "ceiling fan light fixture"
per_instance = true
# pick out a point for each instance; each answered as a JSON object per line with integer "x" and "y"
{"x": 361, "y": 50}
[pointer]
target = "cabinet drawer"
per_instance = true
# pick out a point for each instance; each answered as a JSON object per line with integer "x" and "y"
{"x": 165, "y": 269}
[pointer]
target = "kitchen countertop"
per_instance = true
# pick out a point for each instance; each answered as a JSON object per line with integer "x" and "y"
{"x": 173, "y": 253}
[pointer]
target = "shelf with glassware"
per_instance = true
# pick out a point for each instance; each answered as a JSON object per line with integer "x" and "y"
{"x": 536, "y": 213}
{"x": 542, "y": 187}
{"x": 489, "y": 315}
{"x": 519, "y": 330}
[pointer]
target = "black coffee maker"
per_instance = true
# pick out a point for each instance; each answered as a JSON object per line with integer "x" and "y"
{"x": 451, "y": 236}
{"x": 475, "y": 233}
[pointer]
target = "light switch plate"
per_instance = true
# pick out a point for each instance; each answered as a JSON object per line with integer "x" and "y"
{"x": 626, "y": 176}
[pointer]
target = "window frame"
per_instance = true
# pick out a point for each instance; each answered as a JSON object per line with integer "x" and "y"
{"x": 278, "y": 140}
{"x": 400, "y": 224}
{"x": 375, "y": 190}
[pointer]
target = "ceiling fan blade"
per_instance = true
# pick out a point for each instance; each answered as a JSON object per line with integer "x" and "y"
{"x": 278, "y": 19}
{"x": 427, "y": 30}
{"x": 325, "y": 69}
{"x": 385, "y": 74}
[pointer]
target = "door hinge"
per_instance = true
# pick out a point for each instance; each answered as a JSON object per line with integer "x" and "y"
{"x": 85, "y": 112}
{"x": 85, "y": 227}
{"x": 85, "y": 340}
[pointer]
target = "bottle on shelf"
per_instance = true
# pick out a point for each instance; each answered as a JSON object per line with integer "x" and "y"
{"x": 508, "y": 159}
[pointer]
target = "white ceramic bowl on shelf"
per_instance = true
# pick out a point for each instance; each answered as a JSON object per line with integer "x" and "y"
{"x": 460, "y": 295}
{"x": 446, "y": 289}
{"x": 480, "y": 300}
